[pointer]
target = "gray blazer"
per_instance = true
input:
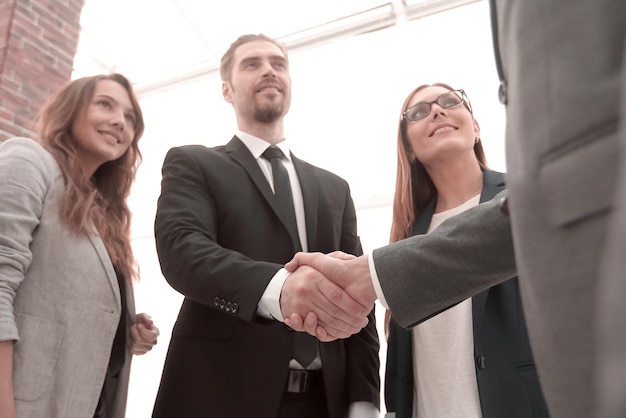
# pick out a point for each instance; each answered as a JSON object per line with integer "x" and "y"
{"x": 59, "y": 295}
{"x": 561, "y": 63}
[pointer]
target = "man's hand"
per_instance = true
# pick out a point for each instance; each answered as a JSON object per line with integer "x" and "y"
{"x": 349, "y": 273}
{"x": 307, "y": 291}
{"x": 143, "y": 335}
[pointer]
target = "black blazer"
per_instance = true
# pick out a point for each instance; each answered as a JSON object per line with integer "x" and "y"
{"x": 220, "y": 241}
{"x": 508, "y": 384}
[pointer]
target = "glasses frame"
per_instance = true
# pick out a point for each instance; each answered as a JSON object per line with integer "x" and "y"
{"x": 459, "y": 92}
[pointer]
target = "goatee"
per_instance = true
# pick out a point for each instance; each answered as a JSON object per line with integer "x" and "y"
{"x": 267, "y": 114}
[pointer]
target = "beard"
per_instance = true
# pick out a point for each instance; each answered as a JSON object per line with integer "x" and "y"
{"x": 268, "y": 113}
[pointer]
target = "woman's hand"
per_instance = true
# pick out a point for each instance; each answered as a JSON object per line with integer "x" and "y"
{"x": 143, "y": 335}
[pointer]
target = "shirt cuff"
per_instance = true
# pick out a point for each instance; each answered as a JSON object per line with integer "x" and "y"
{"x": 363, "y": 409}
{"x": 375, "y": 282}
{"x": 269, "y": 305}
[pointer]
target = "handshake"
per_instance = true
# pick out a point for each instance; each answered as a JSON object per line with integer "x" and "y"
{"x": 327, "y": 295}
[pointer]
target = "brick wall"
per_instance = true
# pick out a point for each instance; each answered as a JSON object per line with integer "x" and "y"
{"x": 38, "y": 40}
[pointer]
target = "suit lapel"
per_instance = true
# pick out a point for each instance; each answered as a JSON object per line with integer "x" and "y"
{"x": 241, "y": 154}
{"x": 493, "y": 183}
{"x": 98, "y": 245}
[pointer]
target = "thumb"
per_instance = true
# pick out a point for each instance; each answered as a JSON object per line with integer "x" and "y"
{"x": 298, "y": 260}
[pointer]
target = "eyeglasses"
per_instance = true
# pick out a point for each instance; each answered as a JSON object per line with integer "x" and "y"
{"x": 445, "y": 101}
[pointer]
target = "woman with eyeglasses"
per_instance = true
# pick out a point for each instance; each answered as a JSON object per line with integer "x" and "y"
{"x": 473, "y": 360}
{"x": 68, "y": 327}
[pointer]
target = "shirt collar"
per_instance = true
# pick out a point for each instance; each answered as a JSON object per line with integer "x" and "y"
{"x": 257, "y": 146}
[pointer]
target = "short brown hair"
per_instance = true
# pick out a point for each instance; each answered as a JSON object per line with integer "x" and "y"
{"x": 226, "y": 65}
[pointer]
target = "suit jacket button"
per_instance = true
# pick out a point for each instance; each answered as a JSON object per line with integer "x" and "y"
{"x": 504, "y": 205}
{"x": 235, "y": 307}
{"x": 222, "y": 303}
{"x": 228, "y": 307}
{"x": 502, "y": 93}
{"x": 481, "y": 362}
{"x": 216, "y": 302}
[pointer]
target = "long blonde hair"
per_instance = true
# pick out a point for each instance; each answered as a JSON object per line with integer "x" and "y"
{"x": 100, "y": 201}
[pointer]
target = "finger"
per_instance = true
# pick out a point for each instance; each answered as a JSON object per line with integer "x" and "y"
{"x": 148, "y": 335}
{"x": 140, "y": 347}
{"x": 295, "y": 322}
{"x": 323, "y": 335}
{"x": 341, "y": 305}
{"x": 340, "y": 255}
{"x": 300, "y": 259}
{"x": 339, "y": 314}
{"x": 311, "y": 326}
{"x": 145, "y": 319}
{"x": 336, "y": 327}
{"x": 314, "y": 328}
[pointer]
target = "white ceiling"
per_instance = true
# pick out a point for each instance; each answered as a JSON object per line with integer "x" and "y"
{"x": 159, "y": 43}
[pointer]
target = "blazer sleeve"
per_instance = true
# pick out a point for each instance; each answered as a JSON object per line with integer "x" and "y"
{"x": 25, "y": 176}
{"x": 186, "y": 225}
{"x": 363, "y": 361}
{"x": 424, "y": 275}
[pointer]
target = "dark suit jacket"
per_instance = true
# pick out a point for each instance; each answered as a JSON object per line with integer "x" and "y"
{"x": 508, "y": 384}
{"x": 220, "y": 241}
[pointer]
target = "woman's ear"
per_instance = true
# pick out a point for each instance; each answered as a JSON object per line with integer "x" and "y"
{"x": 476, "y": 131}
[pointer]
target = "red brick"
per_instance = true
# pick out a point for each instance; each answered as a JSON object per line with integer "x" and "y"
{"x": 38, "y": 41}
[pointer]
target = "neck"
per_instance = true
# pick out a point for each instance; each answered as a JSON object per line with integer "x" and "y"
{"x": 272, "y": 132}
{"x": 456, "y": 183}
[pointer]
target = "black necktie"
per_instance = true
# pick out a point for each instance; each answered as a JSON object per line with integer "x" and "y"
{"x": 282, "y": 191}
{"x": 305, "y": 346}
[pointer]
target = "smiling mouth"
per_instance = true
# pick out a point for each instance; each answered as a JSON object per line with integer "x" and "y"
{"x": 266, "y": 88}
{"x": 443, "y": 129}
{"x": 110, "y": 136}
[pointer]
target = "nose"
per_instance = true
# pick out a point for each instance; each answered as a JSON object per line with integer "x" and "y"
{"x": 438, "y": 111}
{"x": 268, "y": 69}
{"x": 118, "y": 119}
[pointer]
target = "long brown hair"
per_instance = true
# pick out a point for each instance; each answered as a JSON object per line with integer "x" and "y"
{"x": 414, "y": 187}
{"x": 100, "y": 201}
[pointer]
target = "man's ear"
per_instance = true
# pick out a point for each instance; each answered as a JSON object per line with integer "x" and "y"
{"x": 227, "y": 91}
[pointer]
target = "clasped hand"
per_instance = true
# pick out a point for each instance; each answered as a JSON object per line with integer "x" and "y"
{"x": 328, "y": 296}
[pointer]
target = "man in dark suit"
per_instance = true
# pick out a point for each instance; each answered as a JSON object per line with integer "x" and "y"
{"x": 563, "y": 78}
{"x": 223, "y": 236}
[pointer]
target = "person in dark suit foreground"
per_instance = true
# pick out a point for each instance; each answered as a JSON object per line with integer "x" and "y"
{"x": 562, "y": 69}
{"x": 474, "y": 359}
{"x": 223, "y": 233}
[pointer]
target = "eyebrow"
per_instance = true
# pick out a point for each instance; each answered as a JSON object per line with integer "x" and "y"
{"x": 104, "y": 95}
{"x": 259, "y": 57}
